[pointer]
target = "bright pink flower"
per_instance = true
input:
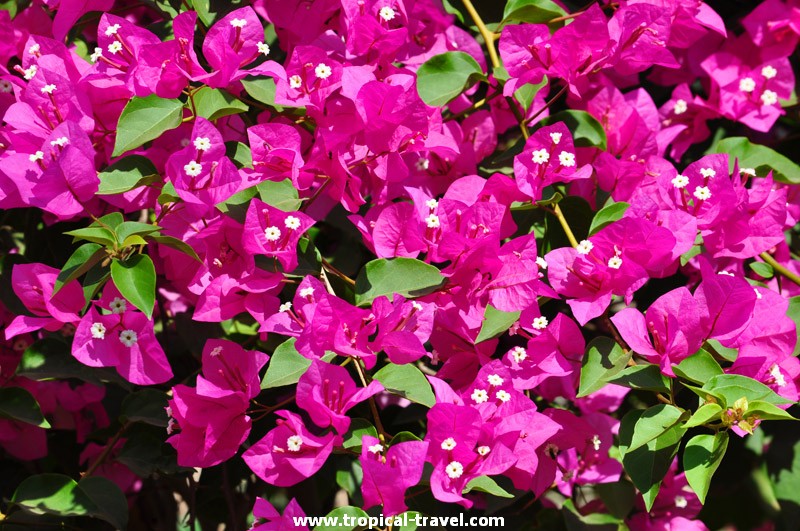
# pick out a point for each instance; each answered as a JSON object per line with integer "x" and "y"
{"x": 289, "y": 453}
{"x": 388, "y": 473}
{"x": 228, "y": 366}
{"x": 274, "y": 233}
{"x": 269, "y": 519}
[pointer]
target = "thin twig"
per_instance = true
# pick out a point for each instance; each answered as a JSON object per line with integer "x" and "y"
{"x": 779, "y": 268}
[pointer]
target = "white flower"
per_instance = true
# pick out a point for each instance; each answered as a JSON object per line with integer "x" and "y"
{"x": 775, "y": 372}
{"x": 584, "y": 247}
{"x": 29, "y": 72}
{"x": 502, "y": 396}
{"x": 681, "y": 502}
{"x": 748, "y": 171}
{"x": 448, "y": 444}
{"x": 323, "y": 71}
{"x": 307, "y": 292}
{"x": 238, "y": 23}
{"x": 170, "y": 426}
{"x": 432, "y": 203}
{"x": 202, "y": 143}
{"x": 263, "y": 48}
{"x": 769, "y": 72}
{"x": 6, "y": 86}
{"x": 479, "y": 396}
{"x": 118, "y": 305}
{"x": 540, "y": 156}
{"x": 285, "y": 307}
{"x": 112, "y": 30}
{"x": 193, "y": 169}
{"x": 375, "y": 448}
{"x": 484, "y": 450}
{"x": 747, "y": 84}
{"x": 292, "y": 222}
{"x": 295, "y": 82}
{"x": 294, "y": 443}
{"x": 272, "y": 233}
{"x": 432, "y": 221}
{"x": 518, "y": 354}
{"x": 726, "y": 273}
{"x": 680, "y": 107}
{"x": 615, "y": 262}
{"x": 216, "y": 351}
{"x": 454, "y": 470}
{"x": 540, "y": 323}
{"x": 702, "y": 193}
{"x": 758, "y": 293}
{"x": 98, "y": 331}
{"x": 596, "y": 443}
{"x": 769, "y": 98}
{"x": 555, "y": 137}
{"x": 115, "y": 47}
{"x": 387, "y": 13}
{"x": 495, "y": 379}
{"x": 39, "y": 155}
{"x": 48, "y": 89}
{"x": 708, "y": 173}
{"x": 34, "y": 49}
{"x": 422, "y": 164}
{"x": 680, "y": 181}
{"x": 98, "y": 53}
{"x": 60, "y": 141}
{"x": 417, "y": 306}
{"x": 128, "y": 338}
{"x": 566, "y": 159}
{"x": 541, "y": 262}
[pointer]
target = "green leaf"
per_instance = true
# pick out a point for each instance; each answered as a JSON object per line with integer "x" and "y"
{"x": 403, "y": 436}
{"x": 487, "y": 485}
{"x": 110, "y": 503}
{"x": 726, "y": 353}
{"x": 443, "y": 77}
{"x": 619, "y": 497}
{"x": 110, "y": 221}
{"x": 99, "y": 235}
{"x": 135, "y": 278}
{"x": 127, "y": 174}
{"x": 732, "y": 387}
{"x": 261, "y": 89}
{"x": 762, "y": 269}
{"x": 406, "y": 276}
{"x": 576, "y": 521}
{"x": 527, "y": 92}
{"x": 495, "y": 323}
{"x": 586, "y": 130}
{"x": 338, "y": 514}
{"x": 175, "y": 243}
{"x": 168, "y": 195}
{"x": 645, "y": 376}
{"x": 701, "y": 458}
{"x": 52, "y": 494}
{"x": 287, "y": 365}
{"x": 532, "y": 11}
{"x": 766, "y": 411}
{"x": 358, "y": 428}
{"x": 758, "y": 157}
{"x": 147, "y": 405}
{"x": 145, "y": 119}
{"x": 280, "y": 194}
{"x": 406, "y": 381}
{"x": 81, "y": 261}
{"x": 648, "y": 464}
{"x": 604, "y": 359}
{"x": 212, "y": 103}
{"x": 240, "y": 154}
{"x": 705, "y": 413}
{"x": 607, "y": 215}
{"x": 698, "y": 368}
{"x": 793, "y": 312}
{"x": 50, "y": 358}
{"x": 18, "y": 404}
{"x": 134, "y": 228}
{"x": 652, "y": 423}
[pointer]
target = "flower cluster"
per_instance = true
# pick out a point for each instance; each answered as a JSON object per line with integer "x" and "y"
{"x": 349, "y": 239}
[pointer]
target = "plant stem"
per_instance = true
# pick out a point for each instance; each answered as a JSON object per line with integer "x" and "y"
{"x": 106, "y": 451}
{"x": 381, "y": 433}
{"x": 561, "y": 219}
{"x": 547, "y": 105}
{"x": 779, "y": 268}
{"x": 488, "y": 36}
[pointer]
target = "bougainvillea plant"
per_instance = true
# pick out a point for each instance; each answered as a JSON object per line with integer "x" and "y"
{"x": 269, "y": 259}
